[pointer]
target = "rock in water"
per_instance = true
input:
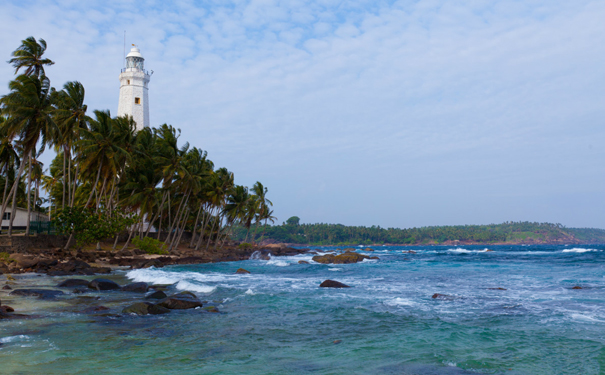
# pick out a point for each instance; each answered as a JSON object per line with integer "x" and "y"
{"x": 333, "y": 284}
{"x": 70, "y": 283}
{"x": 303, "y": 262}
{"x": 577, "y": 287}
{"x": 103, "y": 284}
{"x": 95, "y": 309}
{"x": 180, "y": 301}
{"x": 144, "y": 308}
{"x": 7, "y": 287}
{"x": 136, "y": 287}
{"x": 40, "y": 293}
{"x": 157, "y": 295}
{"x": 6, "y": 309}
{"x": 345, "y": 258}
{"x": 442, "y": 296}
{"x": 242, "y": 271}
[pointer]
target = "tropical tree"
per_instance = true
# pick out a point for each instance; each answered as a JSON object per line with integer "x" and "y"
{"x": 29, "y": 57}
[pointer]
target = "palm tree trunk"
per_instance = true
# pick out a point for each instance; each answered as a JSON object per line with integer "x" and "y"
{"x": 64, "y": 180}
{"x": 5, "y": 189}
{"x": 206, "y": 220}
{"x": 94, "y": 187}
{"x": 178, "y": 220}
{"x": 177, "y": 238}
{"x": 101, "y": 193}
{"x": 195, "y": 225}
{"x": 68, "y": 176}
{"x": 14, "y": 193}
{"x": 212, "y": 230}
{"x": 73, "y": 194}
{"x": 176, "y": 216}
{"x": 161, "y": 210}
{"x": 29, "y": 190}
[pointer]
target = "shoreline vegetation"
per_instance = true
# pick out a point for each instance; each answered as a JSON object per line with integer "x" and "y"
{"x": 108, "y": 178}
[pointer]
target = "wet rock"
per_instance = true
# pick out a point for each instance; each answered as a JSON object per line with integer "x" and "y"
{"x": 409, "y": 252}
{"x": 180, "y": 301}
{"x": 70, "y": 283}
{"x": 337, "y": 342}
{"x": 145, "y": 308}
{"x": 136, "y": 287}
{"x": 94, "y": 309}
{"x": 24, "y": 261}
{"x": 211, "y": 309}
{"x": 103, "y": 284}
{"x": 577, "y": 287}
{"x": 40, "y": 293}
{"x": 6, "y": 309}
{"x": 303, "y": 262}
{"x": 157, "y": 295}
{"x": 496, "y": 288}
{"x": 242, "y": 271}
{"x": 7, "y": 287}
{"x": 345, "y": 258}
{"x": 124, "y": 253}
{"x": 71, "y": 267}
{"x": 333, "y": 284}
{"x": 442, "y": 296}
{"x": 368, "y": 249}
{"x": 81, "y": 290}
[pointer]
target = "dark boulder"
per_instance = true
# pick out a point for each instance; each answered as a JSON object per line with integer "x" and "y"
{"x": 242, "y": 271}
{"x": 71, "y": 283}
{"x": 211, "y": 309}
{"x": 136, "y": 287}
{"x": 24, "y": 261}
{"x": 103, "y": 284}
{"x": 6, "y": 309}
{"x": 145, "y": 308}
{"x": 7, "y": 287}
{"x": 496, "y": 288}
{"x": 180, "y": 301}
{"x": 40, "y": 293}
{"x": 577, "y": 287}
{"x": 157, "y": 295}
{"x": 442, "y": 296}
{"x": 333, "y": 284}
{"x": 95, "y": 309}
{"x": 303, "y": 262}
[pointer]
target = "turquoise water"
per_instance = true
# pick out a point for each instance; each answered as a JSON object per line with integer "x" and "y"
{"x": 277, "y": 321}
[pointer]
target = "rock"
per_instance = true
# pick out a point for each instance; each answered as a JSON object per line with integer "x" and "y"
{"x": 496, "y": 288}
{"x": 303, "y": 262}
{"x": 138, "y": 252}
{"x": 180, "y": 301}
{"x": 332, "y": 284}
{"x": 71, "y": 267}
{"x": 6, "y": 309}
{"x": 80, "y": 290}
{"x": 345, "y": 258}
{"x": 442, "y": 296}
{"x": 7, "y": 287}
{"x": 40, "y": 293}
{"x": 136, "y": 287}
{"x": 103, "y": 284}
{"x": 124, "y": 253}
{"x": 70, "y": 283}
{"x": 337, "y": 341}
{"x": 242, "y": 271}
{"x": 157, "y": 295}
{"x": 94, "y": 309}
{"x": 486, "y": 250}
{"x": 10, "y": 278}
{"x": 211, "y": 309}
{"x": 144, "y": 308}
{"x": 577, "y": 287}
{"x": 409, "y": 252}
{"x": 24, "y": 261}
{"x": 368, "y": 249}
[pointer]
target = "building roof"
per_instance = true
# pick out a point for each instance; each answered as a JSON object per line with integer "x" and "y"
{"x": 134, "y": 52}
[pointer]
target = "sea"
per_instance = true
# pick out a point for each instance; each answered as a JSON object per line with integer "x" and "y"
{"x": 499, "y": 310}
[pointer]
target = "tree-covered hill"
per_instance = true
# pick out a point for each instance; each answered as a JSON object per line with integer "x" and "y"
{"x": 337, "y": 234}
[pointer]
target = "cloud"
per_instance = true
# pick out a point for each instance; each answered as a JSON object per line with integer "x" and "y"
{"x": 396, "y": 113}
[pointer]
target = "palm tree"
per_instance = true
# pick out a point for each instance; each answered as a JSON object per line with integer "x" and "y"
{"x": 263, "y": 204}
{"x": 70, "y": 117}
{"x": 29, "y": 107}
{"x": 29, "y": 57}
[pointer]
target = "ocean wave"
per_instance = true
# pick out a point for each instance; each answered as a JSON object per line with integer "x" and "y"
{"x": 250, "y": 292}
{"x": 6, "y": 340}
{"x": 578, "y": 250}
{"x": 400, "y": 302}
{"x": 277, "y": 262}
{"x": 186, "y": 285}
{"x": 466, "y": 251}
{"x": 334, "y": 269}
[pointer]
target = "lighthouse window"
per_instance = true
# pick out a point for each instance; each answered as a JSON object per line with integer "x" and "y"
{"x": 128, "y": 82}
{"x": 137, "y": 100}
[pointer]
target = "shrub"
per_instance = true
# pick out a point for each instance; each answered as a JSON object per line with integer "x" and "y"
{"x": 150, "y": 245}
{"x": 245, "y": 245}
{"x": 4, "y": 257}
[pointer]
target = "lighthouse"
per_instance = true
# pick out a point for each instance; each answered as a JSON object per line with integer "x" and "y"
{"x": 134, "y": 89}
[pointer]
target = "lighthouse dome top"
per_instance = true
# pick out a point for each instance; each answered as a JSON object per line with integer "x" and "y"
{"x": 135, "y": 52}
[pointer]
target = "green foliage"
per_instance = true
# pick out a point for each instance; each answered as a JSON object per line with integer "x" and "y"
{"x": 150, "y": 245}
{"x": 337, "y": 234}
{"x": 4, "y": 257}
{"x": 294, "y": 220}
{"x": 89, "y": 226}
{"x": 245, "y": 245}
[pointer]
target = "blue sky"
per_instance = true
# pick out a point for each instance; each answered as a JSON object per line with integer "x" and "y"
{"x": 394, "y": 113}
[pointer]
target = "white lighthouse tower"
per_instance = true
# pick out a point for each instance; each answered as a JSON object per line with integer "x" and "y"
{"x": 134, "y": 90}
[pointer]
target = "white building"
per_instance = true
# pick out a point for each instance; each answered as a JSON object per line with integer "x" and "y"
{"x": 134, "y": 90}
{"x": 21, "y": 218}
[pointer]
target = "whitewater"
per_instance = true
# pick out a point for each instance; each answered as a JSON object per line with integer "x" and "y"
{"x": 501, "y": 310}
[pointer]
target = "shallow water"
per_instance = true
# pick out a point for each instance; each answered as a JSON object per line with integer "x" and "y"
{"x": 277, "y": 321}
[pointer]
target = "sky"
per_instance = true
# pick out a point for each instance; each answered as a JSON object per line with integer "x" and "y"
{"x": 361, "y": 112}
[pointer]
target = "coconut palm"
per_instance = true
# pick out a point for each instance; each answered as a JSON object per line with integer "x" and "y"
{"x": 29, "y": 107}
{"x": 29, "y": 57}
